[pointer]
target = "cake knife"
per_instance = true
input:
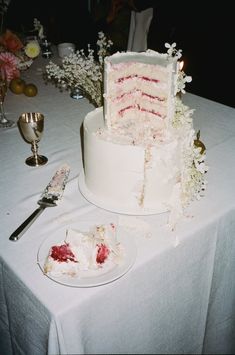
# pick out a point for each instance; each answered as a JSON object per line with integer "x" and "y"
{"x": 52, "y": 193}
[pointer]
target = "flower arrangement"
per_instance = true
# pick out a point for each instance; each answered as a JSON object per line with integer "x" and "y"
{"x": 194, "y": 154}
{"x": 14, "y": 55}
{"x": 82, "y": 70}
{"x": 182, "y": 78}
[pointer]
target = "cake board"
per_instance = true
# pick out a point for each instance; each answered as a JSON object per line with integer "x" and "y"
{"x": 111, "y": 206}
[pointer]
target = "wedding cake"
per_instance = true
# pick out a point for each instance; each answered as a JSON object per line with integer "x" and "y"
{"x": 83, "y": 252}
{"x": 140, "y": 151}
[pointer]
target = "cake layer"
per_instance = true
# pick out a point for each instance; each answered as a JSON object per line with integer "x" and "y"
{"x": 140, "y": 101}
{"x": 156, "y": 92}
{"x": 137, "y": 129}
{"x": 134, "y": 176}
{"x": 138, "y": 72}
{"x": 136, "y": 83}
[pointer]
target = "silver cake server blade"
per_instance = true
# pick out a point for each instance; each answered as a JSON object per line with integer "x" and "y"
{"x": 52, "y": 194}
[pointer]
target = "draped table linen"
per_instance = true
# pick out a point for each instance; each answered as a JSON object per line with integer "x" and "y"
{"x": 179, "y": 295}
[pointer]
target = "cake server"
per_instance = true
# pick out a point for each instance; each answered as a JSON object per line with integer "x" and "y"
{"x": 52, "y": 194}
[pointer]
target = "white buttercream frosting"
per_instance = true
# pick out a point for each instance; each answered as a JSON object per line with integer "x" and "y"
{"x": 139, "y": 152}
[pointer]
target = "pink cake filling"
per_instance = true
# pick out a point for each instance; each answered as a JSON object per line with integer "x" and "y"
{"x": 138, "y": 92}
{"x": 145, "y": 78}
{"x": 162, "y": 99}
{"x": 63, "y": 253}
{"x": 142, "y": 109}
{"x": 102, "y": 254}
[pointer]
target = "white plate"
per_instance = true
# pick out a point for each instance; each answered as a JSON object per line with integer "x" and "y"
{"x": 112, "y": 205}
{"x": 95, "y": 277}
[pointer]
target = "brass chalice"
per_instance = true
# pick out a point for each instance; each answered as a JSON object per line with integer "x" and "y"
{"x": 31, "y": 125}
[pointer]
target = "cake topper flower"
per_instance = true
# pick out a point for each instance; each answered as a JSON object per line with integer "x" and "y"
{"x": 172, "y": 51}
{"x": 182, "y": 78}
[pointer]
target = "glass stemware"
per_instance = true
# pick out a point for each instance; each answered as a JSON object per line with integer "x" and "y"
{"x": 76, "y": 93}
{"x": 31, "y": 125}
{"x": 4, "y": 121}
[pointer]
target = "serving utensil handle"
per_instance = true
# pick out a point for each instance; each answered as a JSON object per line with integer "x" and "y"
{"x": 26, "y": 224}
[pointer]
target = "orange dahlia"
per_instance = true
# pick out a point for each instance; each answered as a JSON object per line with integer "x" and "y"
{"x": 11, "y": 41}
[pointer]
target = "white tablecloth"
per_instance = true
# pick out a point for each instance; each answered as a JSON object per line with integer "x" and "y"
{"x": 178, "y": 297}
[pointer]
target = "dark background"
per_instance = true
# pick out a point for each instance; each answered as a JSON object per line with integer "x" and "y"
{"x": 203, "y": 30}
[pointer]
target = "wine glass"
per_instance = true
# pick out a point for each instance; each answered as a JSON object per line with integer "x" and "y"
{"x": 31, "y": 125}
{"x": 4, "y": 122}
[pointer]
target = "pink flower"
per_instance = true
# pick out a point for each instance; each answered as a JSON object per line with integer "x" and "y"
{"x": 9, "y": 63}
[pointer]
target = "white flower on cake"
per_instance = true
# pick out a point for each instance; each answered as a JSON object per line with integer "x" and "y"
{"x": 183, "y": 114}
{"x": 194, "y": 167}
{"x": 172, "y": 51}
{"x": 84, "y": 251}
{"x": 182, "y": 80}
{"x": 193, "y": 172}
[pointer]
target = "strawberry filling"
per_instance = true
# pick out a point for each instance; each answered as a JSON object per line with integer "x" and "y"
{"x": 102, "y": 253}
{"x": 62, "y": 253}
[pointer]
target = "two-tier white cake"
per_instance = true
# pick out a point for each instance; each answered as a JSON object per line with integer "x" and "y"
{"x": 139, "y": 152}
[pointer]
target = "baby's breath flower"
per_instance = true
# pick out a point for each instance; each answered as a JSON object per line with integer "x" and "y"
{"x": 81, "y": 70}
{"x": 194, "y": 167}
{"x": 183, "y": 115}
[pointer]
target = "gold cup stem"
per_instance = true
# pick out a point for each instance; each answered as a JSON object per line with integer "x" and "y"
{"x": 34, "y": 149}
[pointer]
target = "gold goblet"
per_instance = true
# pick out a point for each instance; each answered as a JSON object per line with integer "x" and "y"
{"x": 31, "y": 125}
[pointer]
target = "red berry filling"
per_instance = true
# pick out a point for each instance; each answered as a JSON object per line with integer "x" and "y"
{"x": 62, "y": 253}
{"x": 102, "y": 253}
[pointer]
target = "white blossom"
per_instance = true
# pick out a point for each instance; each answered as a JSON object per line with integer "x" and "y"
{"x": 183, "y": 114}
{"x": 81, "y": 70}
{"x": 194, "y": 167}
{"x": 182, "y": 78}
{"x": 172, "y": 51}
